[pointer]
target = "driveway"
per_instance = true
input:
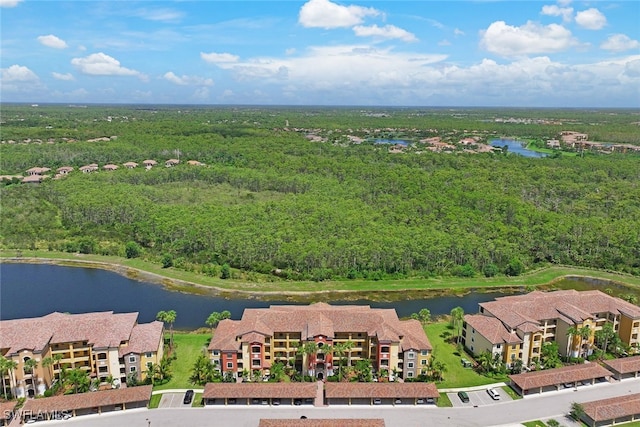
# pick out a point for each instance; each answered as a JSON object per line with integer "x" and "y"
{"x": 478, "y": 398}
{"x": 172, "y": 400}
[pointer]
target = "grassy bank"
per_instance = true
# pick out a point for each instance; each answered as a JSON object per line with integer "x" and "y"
{"x": 187, "y": 347}
{"x": 197, "y": 283}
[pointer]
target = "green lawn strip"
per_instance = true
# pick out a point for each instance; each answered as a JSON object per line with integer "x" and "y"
{"x": 444, "y": 401}
{"x": 536, "y": 423}
{"x": 197, "y": 401}
{"x": 511, "y": 392}
{"x": 155, "y": 401}
{"x": 533, "y": 278}
{"x": 455, "y": 375}
{"x": 188, "y": 347}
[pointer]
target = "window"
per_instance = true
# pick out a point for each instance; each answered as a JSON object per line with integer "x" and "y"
{"x": 132, "y": 368}
{"x": 255, "y": 362}
{"x": 424, "y": 352}
{"x": 423, "y": 362}
{"x": 132, "y": 359}
{"x": 513, "y": 347}
{"x": 148, "y": 354}
{"x": 498, "y": 346}
{"x": 103, "y": 369}
{"x": 410, "y": 365}
{"x": 215, "y": 352}
{"x": 409, "y": 374}
{"x": 230, "y": 365}
{"x": 384, "y": 349}
{"x": 102, "y": 356}
{"x": 255, "y": 349}
{"x": 411, "y": 355}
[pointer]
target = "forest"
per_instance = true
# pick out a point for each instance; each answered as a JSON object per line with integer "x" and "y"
{"x": 270, "y": 203}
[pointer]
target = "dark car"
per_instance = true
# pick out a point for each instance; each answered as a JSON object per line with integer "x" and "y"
{"x": 188, "y": 397}
{"x": 464, "y": 397}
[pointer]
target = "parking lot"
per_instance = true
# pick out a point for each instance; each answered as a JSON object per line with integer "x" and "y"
{"x": 172, "y": 400}
{"x": 478, "y": 398}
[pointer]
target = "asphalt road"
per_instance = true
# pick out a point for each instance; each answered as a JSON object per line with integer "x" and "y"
{"x": 554, "y": 404}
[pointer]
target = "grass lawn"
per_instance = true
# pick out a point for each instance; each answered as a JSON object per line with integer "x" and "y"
{"x": 444, "y": 401}
{"x": 155, "y": 401}
{"x": 455, "y": 375}
{"x": 188, "y": 347}
{"x": 511, "y": 392}
{"x": 197, "y": 400}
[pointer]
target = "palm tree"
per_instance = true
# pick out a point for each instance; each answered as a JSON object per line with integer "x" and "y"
{"x": 168, "y": 317}
{"x": 3, "y": 370}
{"x": 78, "y": 379}
{"x": 31, "y": 366}
{"x": 151, "y": 372}
{"x": 305, "y": 350}
{"x": 584, "y": 333}
{"x": 215, "y": 318}
{"x": 604, "y": 335}
{"x": 11, "y": 366}
{"x": 571, "y": 332}
{"x": 164, "y": 368}
{"x": 457, "y": 317}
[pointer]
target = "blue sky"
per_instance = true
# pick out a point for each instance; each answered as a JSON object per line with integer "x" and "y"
{"x": 320, "y": 52}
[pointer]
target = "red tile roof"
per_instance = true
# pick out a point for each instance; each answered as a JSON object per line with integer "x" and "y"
{"x": 624, "y": 365}
{"x": 566, "y": 374}
{"x": 491, "y": 328}
{"x": 146, "y": 337}
{"x": 102, "y": 330}
{"x": 325, "y": 422}
{"x": 89, "y": 400}
{"x": 613, "y": 408}
{"x": 380, "y": 390}
{"x": 6, "y": 409}
{"x": 320, "y": 319}
{"x": 260, "y": 390}
{"x": 569, "y": 305}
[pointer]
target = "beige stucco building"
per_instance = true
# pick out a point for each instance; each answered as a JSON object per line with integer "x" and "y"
{"x": 264, "y": 336}
{"x": 516, "y": 327}
{"x": 103, "y": 344}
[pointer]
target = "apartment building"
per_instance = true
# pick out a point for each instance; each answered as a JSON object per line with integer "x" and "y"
{"x": 103, "y": 344}
{"x": 277, "y": 333}
{"x": 516, "y": 327}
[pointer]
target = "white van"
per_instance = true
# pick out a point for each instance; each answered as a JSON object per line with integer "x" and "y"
{"x": 495, "y": 395}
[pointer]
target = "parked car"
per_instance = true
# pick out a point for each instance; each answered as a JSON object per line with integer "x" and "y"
{"x": 297, "y": 402}
{"x": 464, "y": 397}
{"x": 275, "y": 402}
{"x": 231, "y": 401}
{"x": 493, "y": 392}
{"x": 188, "y": 397}
{"x": 397, "y": 401}
{"x": 377, "y": 401}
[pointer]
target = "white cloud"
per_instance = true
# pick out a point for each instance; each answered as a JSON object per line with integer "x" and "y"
{"x": 201, "y": 93}
{"x": 163, "y": 14}
{"x": 187, "y": 80}
{"x": 216, "y": 58}
{"x": 18, "y": 73}
{"x": 10, "y": 3}
{"x": 326, "y": 14}
{"x": 53, "y": 41}
{"x": 65, "y": 77}
{"x": 458, "y": 32}
{"x": 100, "y": 64}
{"x": 555, "y": 10}
{"x": 387, "y": 32}
{"x": 531, "y": 38}
{"x": 290, "y": 51}
{"x": 591, "y": 19}
{"x": 620, "y": 43}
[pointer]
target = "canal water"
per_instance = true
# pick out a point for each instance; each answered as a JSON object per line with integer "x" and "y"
{"x": 29, "y": 290}
{"x": 517, "y": 147}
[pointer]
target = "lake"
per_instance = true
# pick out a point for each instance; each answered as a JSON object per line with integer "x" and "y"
{"x": 517, "y": 147}
{"x": 29, "y": 290}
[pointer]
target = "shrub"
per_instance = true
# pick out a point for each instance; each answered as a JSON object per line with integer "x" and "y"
{"x": 132, "y": 250}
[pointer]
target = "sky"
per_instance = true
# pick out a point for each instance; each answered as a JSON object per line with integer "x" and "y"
{"x": 556, "y": 53}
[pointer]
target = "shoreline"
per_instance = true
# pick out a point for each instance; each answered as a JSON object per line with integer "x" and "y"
{"x": 389, "y": 295}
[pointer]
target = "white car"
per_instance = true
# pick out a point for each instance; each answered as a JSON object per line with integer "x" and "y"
{"x": 495, "y": 395}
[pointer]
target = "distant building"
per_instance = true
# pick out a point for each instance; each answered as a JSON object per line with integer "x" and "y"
{"x": 264, "y": 336}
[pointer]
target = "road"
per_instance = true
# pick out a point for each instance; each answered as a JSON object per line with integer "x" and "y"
{"x": 551, "y": 404}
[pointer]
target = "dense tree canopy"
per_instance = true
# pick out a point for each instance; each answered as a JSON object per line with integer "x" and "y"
{"x": 270, "y": 199}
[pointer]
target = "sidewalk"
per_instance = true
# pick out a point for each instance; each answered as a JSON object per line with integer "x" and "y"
{"x": 474, "y": 388}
